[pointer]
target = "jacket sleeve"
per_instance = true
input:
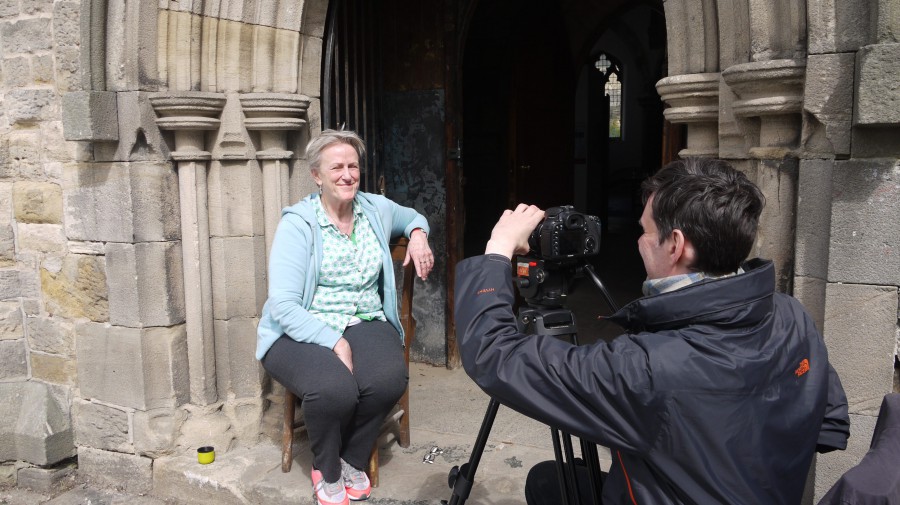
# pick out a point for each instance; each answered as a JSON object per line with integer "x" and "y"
{"x": 289, "y": 262}
{"x": 836, "y": 425}
{"x": 600, "y": 392}
{"x": 402, "y": 220}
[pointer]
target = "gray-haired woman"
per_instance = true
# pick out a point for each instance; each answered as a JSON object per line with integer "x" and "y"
{"x": 330, "y": 330}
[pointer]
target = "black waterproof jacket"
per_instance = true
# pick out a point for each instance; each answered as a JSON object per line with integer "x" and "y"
{"x": 719, "y": 392}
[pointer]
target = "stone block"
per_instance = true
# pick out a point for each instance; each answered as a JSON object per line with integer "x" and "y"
{"x": 810, "y": 291}
{"x": 77, "y": 288}
{"x": 101, "y": 427}
{"x": 68, "y": 69}
{"x": 146, "y": 284}
{"x": 121, "y": 202}
{"x": 42, "y": 239}
{"x": 37, "y": 202}
{"x": 314, "y": 16}
{"x": 67, "y": 23}
{"x": 32, "y": 7}
{"x": 310, "y": 71}
{"x": 9, "y": 8}
{"x": 16, "y": 72}
{"x": 13, "y": 360}
{"x": 877, "y": 94}
{"x": 139, "y": 137}
{"x": 865, "y": 229}
{"x": 181, "y": 478}
{"x": 24, "y": 155}
{"x": 90, "y": 115}
{"x": 777, "y": 179}
{"x": 52, "y": 369}
{"x": 238, "y": 276}
{"x": 860, "y": 328}
{"x": 156, "y": 431}
{"x": 9, "y": 284}
{"x": 813, "y": 217}
{"x": 206, "y": 425}
{"x": 246, "y": 416}
{"x": 42, "y": 69}
{"x": 27, "y": 35}
{"x": 238, "y": 373}
{"x": 231, "y": 212}
{"x": 8, "y": 473}
{"x": 125, "y": 472}
{"x": 837, "y": 26}
{"x": 831, "y": 466}
{"x": 11, "y": 327}
{"x": 55, "y": 151}
{"x": 36, "y": 426}
{"x": 827, "y": 104}
{"x": 51, "y": 335}
{"x": 47, "y": 480}
{"x": 28, "y": 106}
{"x": 6, "y": 192}
{"x": 7, "y": 246}
{"x": 138, "y": 368}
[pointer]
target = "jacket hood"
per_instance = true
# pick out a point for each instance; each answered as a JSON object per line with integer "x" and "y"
{"x": 744, "y": 299}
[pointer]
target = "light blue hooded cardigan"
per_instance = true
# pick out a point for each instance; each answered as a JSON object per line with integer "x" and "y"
{"x": 296, "y": 258}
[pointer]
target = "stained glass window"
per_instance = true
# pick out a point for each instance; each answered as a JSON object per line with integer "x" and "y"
{"x": 612, "y": 87}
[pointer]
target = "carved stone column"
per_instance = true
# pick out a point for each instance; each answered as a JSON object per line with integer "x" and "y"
{"x": 770, "y": 98}
{"x": 767, "y": 108}
{"x": 273, "y": 115}
{"x": 694, "y": 100}
{"x": 190, "y": 116}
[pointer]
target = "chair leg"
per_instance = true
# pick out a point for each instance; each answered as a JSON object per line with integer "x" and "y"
{"x": 373, "y": 466}
{"x": 404, "y": 419}
{"x": 287, "y": 432}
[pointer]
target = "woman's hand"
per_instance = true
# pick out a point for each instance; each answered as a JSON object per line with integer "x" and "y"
{"x": 419, "y": 252}
{"x": 342, "y": 349}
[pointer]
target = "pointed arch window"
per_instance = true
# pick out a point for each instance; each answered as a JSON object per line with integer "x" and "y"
{"x": 611, "y": 72}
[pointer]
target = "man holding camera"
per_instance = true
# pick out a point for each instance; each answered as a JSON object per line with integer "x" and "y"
{"x": 720, "y": 389}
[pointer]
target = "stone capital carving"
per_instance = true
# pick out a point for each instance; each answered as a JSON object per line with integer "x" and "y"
{"x": 188, "y": 115}
{"x": 771, "y": 91}
{"x": 274, "y": 111}
{"x": 693, "y": 100}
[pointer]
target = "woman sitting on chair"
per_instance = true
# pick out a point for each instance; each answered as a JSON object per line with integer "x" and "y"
{"x": 330, "y": 330}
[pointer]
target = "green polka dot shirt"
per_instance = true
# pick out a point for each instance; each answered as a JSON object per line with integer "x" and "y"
{"x": 348, "y": 279}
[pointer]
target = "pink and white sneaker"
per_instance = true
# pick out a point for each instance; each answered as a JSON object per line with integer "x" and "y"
{"x": 356, "y": 482}
{"x": 328, "y": 493}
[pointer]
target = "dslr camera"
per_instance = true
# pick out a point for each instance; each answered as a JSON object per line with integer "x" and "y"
{"x": 565, "y": 233}
{"x": 560, "y": 246}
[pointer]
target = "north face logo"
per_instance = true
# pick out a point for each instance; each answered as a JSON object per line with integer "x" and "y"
{"x": 803, "y": 368}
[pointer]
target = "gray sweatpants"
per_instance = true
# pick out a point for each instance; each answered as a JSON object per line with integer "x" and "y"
{"x": 343, "y": 411}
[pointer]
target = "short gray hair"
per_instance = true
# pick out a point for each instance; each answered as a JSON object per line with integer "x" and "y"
{"x": 329, "y": 138}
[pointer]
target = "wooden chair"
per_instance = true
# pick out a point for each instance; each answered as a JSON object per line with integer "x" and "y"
{"x": 406, "y": 277}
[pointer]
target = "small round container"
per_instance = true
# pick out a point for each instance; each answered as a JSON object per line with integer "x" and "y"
{"x": 206, "y": 455}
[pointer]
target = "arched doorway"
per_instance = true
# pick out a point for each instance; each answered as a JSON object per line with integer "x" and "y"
{"x": 536, "y": 118}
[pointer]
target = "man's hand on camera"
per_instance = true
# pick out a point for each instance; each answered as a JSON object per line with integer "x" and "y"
{"x": 510, "y": 235}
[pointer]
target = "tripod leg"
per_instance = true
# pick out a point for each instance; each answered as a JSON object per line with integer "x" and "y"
{"x": 462, "y": 479}
{"x": 592, "y": 459}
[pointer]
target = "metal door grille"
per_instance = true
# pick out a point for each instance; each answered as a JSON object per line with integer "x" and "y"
{"x": 351, "y": 83}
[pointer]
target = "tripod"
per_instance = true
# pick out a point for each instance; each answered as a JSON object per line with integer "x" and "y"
{"x": 543, "y": 321}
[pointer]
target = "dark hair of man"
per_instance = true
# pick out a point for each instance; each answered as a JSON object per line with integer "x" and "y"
{"x": 716, "y": 207}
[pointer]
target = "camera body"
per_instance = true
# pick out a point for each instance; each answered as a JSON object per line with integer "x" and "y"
{"x": 565, "y": 233}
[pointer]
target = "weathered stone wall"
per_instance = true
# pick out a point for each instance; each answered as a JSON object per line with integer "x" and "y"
{"x": 133, "y": 236}
{"x": 807, "y": 106}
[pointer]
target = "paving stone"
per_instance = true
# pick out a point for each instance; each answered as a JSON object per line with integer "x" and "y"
{"x": 125, "y": 472}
